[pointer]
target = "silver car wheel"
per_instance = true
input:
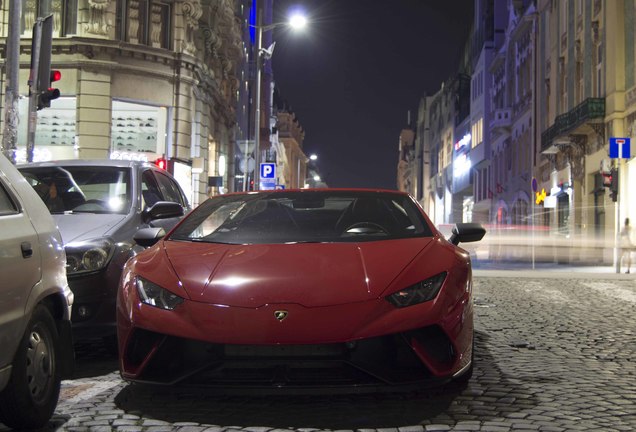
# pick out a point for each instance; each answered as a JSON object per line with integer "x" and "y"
{"x": 40, "y": 364}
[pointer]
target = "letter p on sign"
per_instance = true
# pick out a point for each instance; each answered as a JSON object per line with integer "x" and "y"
{"x": 268, "y": 171}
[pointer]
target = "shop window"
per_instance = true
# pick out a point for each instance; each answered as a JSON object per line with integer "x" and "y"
{"x": 138, "y": 131}
{"x": 55, "y": 131}
{"x": 146, "y": 22}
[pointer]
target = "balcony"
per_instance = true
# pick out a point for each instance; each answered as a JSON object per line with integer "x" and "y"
{"x": 502, "y": 119}
{"x": 566, "y": 124}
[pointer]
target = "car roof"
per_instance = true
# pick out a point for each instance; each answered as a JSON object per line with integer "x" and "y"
{"x": 323, "y": 190}
{"x": 89, "y": 162}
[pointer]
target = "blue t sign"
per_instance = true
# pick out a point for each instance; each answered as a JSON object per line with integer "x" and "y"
{"x": 619, "y": 148}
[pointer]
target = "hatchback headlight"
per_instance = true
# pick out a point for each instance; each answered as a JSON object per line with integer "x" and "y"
{"x": 87, "y": 256}
{"x": 419, "y": 293}
{"x": 152, "y": 294}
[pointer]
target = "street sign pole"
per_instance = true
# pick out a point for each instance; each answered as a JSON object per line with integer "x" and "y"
{"x": 534, "y": 186}
{"x": 39, "y": 74}
{"x": 33, "y": 88}
{"x": 619, "y": 148}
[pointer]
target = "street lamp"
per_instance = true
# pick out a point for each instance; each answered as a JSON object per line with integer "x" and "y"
{"x": 296, "y": 21}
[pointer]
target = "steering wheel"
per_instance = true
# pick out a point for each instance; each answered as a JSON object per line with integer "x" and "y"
{"x": 366, "y": 228}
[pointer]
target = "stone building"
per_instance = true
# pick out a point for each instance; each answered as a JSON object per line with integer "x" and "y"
{"x": 587, "y": 82}
{"x": 511, "y": 128}
{"x": 407, "y": 161}
{"x": 141, "y": 79}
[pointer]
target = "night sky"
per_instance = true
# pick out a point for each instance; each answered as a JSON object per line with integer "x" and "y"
{"x": 357, "y": 70}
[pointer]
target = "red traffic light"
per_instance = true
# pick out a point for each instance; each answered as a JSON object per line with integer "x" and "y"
{"x": 161, "y": 163}
{"x": 56, "y": 75}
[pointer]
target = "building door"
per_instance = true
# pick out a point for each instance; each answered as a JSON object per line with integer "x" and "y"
{"x": 599, "y": 206}
{"x": 563, "y": 205}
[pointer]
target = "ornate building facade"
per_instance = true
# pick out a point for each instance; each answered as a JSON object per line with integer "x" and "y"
{"x": 587, "y": 84}
{"x": 141, "y": 79}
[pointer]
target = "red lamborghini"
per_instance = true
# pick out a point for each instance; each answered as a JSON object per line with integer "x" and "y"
{"x": 338, "y": 289}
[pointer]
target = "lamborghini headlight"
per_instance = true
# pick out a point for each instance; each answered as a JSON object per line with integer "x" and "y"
{"x": 419, "y": 293}
{"x": 152, "y": 294}
{"x": 88, "y": 256}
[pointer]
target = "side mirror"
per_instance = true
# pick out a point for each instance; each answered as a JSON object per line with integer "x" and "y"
{"x": 147, "y": 237}
{"x": 466, "y": 232}
{"x": 162, "y": 210}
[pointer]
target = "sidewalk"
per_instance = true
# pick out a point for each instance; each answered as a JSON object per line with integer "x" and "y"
{"x": 549, "y": 270}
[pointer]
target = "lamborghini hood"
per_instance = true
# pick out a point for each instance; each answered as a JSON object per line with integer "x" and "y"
{"x": 309, "y": 274}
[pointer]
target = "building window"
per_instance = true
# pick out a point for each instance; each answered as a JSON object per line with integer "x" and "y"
{"x": 564, "y": 16}
{"x": 599, "y": 72}
{"x": 64, "y": 15}
{"x": 146, "y": 22}
{"x": 70, "y": 18}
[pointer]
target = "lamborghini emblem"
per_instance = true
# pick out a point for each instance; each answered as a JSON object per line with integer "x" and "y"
{"x": 280, "y": 314}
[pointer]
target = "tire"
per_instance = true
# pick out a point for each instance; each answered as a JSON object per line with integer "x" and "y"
{"x": 31, "y": 395}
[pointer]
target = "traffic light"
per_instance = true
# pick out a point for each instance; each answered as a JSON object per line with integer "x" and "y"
{"x": 46, "y": 96}
{"x": 614, "y": 184}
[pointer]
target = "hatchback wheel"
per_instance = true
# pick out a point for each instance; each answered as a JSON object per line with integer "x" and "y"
{"x": 31, "y": 396}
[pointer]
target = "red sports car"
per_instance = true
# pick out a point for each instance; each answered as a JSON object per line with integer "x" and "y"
{"x": 338, "y": 289}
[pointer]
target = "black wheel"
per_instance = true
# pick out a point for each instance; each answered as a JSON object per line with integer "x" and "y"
{"x": 31, "y": 395}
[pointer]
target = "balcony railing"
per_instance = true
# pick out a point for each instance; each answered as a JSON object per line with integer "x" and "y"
{"x": 589, "y": 109}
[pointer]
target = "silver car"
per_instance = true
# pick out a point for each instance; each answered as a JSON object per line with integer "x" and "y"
{"x": 35, "y": 305}
{"x": 99, "y": 205}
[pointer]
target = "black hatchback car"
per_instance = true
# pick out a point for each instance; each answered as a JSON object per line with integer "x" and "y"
{"x": 98, "y": 206}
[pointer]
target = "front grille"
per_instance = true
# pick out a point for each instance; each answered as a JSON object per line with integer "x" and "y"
{"x": 381, "y": 361}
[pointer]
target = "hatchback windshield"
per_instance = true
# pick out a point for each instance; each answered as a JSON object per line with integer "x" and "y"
{"x": 82, "y": 189}
{"x": 294, "y": 217}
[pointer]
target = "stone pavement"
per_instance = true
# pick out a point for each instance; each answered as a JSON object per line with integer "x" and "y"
{"x": 552, "y": 354}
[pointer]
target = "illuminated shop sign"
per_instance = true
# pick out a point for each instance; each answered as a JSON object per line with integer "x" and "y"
{"x": 461, "y": 165}
{"x": 462, "y": 142}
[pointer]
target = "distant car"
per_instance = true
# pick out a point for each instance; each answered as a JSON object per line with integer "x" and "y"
{"x": 35, "y": 306}
{"x": 98, "y": 206}
{"x": 344, "y": 289}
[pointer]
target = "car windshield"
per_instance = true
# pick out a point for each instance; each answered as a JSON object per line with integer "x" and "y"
{"x": 81, "y": 189}
{"x": 303, "y": 217}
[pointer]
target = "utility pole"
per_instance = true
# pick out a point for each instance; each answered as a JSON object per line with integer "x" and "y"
{"x": 12, "y": 94}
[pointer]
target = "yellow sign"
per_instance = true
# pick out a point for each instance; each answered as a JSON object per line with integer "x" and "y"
{"x": 540, "y": 196}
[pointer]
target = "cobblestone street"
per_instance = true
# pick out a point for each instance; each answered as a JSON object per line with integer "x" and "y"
{"x": 551, "y": 355}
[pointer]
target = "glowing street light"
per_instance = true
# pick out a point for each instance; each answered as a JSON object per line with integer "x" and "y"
{"x": 296, "y": 22}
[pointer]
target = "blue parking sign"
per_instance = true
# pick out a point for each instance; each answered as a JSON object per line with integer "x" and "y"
{"x": 268, "y": 170}
{"x": 619, "y": 148}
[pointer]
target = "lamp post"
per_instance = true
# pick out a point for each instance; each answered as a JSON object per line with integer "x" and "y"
{"x": 296, "y": 21}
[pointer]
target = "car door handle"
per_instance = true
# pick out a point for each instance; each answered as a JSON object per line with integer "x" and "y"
{"x": 27, "y": 250}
